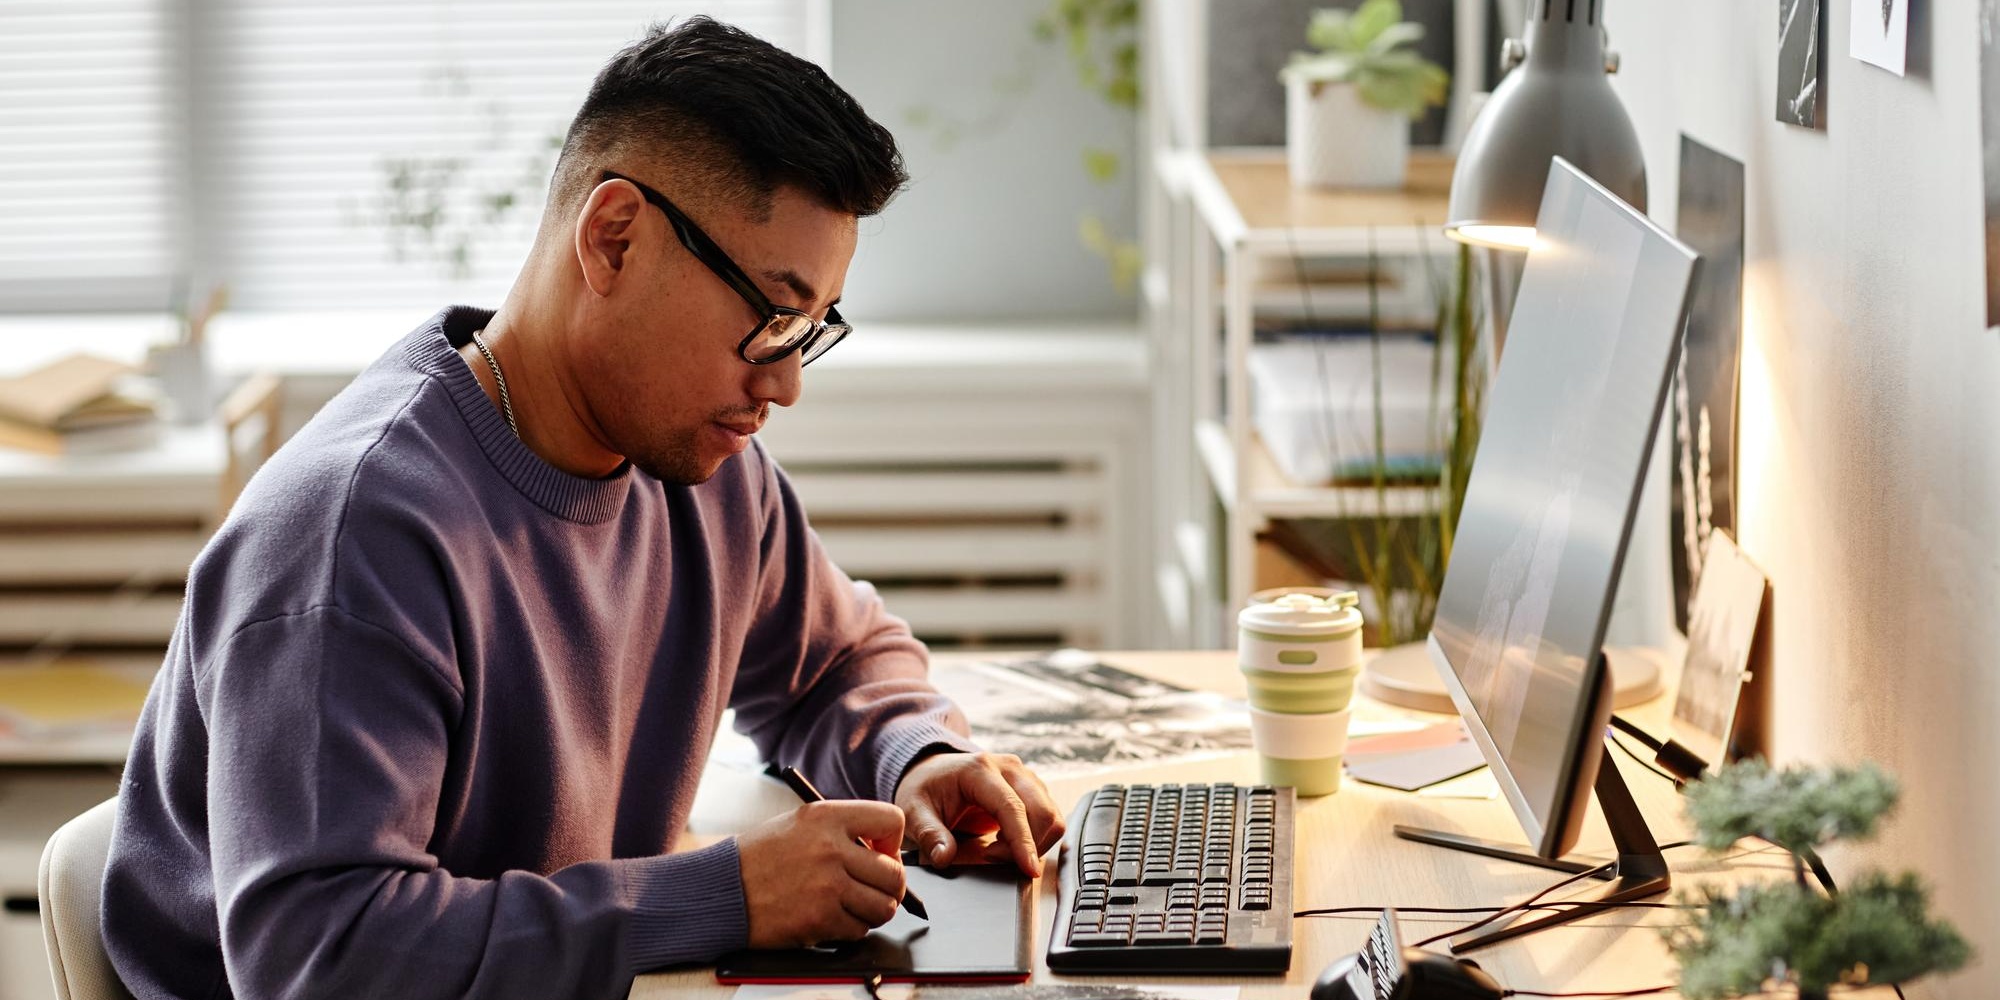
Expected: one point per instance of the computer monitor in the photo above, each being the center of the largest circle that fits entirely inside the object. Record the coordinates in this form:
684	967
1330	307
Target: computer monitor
1570	422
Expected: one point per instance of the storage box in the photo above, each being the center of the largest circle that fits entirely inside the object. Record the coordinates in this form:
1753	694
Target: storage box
1313	404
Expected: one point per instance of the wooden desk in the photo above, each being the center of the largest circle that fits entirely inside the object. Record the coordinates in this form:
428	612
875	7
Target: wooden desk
1347	856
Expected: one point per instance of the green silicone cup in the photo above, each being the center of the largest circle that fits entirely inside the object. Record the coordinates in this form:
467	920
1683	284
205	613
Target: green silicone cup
1307	777
1301	694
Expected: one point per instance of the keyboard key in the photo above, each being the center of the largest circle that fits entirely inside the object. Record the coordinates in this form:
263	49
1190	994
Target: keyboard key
1215	873
1125	873
1162	937
1096	939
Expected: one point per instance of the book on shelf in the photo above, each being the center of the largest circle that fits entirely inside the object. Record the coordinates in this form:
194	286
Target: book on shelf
80	402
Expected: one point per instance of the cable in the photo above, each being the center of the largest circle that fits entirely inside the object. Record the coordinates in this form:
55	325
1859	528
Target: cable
1667	753
1648	991
1618	722
1643	762
1518	907
1559	904
1537	897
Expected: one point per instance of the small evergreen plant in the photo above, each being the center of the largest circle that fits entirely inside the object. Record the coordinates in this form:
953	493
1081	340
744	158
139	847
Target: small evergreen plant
1773	935
1370	47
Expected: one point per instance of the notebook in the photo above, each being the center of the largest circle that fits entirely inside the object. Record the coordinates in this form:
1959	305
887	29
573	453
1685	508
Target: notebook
981	930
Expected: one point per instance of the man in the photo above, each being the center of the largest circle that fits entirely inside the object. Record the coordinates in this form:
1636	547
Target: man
444	681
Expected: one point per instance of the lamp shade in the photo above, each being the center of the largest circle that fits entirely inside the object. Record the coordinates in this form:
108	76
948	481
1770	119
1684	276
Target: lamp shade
1559	102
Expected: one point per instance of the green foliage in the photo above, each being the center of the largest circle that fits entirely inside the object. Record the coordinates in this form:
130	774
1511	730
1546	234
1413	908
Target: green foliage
1784	934
1402	560
1798	809
1102	37
1369	47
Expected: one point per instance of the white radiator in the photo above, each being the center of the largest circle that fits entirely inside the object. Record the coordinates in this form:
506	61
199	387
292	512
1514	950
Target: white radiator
995	496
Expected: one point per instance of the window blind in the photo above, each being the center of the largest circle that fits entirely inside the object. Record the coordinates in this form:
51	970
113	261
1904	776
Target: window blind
90	185
291	148
333	132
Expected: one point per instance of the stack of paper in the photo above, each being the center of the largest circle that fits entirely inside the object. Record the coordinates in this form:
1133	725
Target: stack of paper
79	400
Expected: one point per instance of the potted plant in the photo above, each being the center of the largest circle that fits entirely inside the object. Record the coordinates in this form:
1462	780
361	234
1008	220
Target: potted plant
1348	106
1788	935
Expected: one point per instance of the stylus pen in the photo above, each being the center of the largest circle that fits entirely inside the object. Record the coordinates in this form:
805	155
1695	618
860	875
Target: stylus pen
806	792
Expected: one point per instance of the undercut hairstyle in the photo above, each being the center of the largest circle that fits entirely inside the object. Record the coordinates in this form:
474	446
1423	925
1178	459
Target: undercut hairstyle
735	116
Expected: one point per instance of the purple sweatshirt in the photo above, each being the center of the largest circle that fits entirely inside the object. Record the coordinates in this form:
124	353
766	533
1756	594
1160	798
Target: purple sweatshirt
435	710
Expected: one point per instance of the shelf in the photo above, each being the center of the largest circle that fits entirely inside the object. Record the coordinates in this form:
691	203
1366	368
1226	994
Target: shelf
1249	201
1271	494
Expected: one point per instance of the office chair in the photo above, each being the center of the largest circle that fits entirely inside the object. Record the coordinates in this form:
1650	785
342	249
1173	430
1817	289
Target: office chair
70	885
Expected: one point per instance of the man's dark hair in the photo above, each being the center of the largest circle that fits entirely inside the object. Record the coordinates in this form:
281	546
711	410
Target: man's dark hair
742	114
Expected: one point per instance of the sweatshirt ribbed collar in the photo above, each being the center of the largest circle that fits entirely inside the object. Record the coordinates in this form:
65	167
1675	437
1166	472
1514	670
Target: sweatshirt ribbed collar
433	350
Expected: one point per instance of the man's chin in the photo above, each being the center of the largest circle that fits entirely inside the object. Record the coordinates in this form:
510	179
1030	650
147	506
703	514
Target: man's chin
681	470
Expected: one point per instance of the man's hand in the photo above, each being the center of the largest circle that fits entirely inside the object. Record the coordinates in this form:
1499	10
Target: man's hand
974	795
805	880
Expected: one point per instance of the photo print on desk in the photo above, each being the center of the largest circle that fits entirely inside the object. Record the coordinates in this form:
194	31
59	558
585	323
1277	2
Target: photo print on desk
1989	100
1799	61
1879	32
1705	383
1070	713
1721	631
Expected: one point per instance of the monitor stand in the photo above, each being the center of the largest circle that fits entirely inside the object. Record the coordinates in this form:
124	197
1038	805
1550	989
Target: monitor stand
1641	869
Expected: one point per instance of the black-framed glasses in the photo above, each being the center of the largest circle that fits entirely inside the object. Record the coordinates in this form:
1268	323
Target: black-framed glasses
780	330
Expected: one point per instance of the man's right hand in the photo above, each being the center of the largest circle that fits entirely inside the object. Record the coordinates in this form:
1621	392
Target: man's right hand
805	880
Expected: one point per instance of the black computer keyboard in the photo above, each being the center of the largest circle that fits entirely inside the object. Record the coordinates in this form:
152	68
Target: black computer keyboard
1176	878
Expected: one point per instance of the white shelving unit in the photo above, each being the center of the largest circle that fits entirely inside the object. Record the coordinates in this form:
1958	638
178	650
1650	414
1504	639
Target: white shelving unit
1222	230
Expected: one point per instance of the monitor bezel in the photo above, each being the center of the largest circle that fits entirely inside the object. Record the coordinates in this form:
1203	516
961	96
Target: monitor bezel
1583	745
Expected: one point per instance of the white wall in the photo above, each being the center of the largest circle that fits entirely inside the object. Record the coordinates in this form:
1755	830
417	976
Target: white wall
988	226
1870	466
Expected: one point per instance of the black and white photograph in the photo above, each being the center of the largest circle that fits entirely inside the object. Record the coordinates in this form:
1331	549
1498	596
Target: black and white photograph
1989	104
1878	33
1069	712
1705	383
1727	606
1799	61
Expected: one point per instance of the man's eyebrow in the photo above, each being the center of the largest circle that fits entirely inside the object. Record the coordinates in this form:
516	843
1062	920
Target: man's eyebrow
790	279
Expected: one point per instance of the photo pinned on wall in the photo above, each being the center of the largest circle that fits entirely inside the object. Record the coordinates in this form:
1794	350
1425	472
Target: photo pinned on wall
1989	98
1705	381
1799	35
1879	32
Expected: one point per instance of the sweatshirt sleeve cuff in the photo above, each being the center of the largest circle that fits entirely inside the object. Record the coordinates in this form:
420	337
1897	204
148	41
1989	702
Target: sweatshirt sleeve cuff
903	746
686	907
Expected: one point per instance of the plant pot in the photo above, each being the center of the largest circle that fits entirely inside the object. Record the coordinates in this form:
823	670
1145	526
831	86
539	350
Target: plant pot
1335	139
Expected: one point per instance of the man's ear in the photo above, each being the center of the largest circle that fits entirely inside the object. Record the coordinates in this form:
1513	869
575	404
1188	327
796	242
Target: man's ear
604	233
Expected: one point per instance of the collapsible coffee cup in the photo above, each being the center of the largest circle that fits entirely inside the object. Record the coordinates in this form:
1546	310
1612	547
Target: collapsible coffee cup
1300	654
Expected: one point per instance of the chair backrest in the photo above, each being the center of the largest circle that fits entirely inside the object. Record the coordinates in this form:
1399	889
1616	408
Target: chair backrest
71	885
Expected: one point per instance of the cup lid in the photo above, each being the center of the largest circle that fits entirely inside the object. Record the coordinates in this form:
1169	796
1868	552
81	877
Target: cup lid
1304	614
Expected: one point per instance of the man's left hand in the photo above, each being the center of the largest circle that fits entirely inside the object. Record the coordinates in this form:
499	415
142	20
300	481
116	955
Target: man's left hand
948	795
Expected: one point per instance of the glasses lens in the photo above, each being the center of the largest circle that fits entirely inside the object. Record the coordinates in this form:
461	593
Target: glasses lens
780	333
834	331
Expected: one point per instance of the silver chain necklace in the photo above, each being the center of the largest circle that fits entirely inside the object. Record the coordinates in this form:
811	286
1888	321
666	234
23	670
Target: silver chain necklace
506	405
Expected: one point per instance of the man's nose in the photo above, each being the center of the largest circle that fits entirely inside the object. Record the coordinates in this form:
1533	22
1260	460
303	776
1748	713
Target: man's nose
779	382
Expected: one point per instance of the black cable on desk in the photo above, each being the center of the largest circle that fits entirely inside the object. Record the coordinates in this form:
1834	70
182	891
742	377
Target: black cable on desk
1643	762
1519	907
1648	991
1667	753
1537	897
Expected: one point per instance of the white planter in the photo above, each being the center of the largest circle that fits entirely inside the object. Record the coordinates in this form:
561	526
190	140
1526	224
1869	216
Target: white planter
1335	139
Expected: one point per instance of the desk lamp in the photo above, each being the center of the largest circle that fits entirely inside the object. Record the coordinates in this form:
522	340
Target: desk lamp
1558	103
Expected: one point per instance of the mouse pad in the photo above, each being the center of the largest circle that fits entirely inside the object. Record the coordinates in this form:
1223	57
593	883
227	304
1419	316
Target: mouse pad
981	930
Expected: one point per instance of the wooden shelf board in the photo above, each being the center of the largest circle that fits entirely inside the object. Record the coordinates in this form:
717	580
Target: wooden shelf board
1257	183
1272	494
